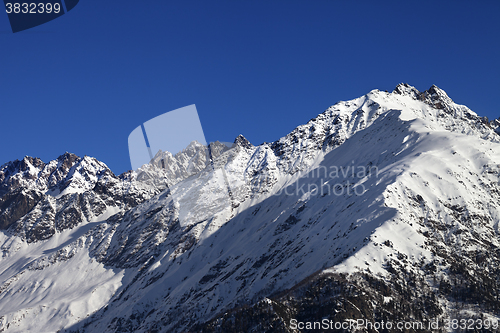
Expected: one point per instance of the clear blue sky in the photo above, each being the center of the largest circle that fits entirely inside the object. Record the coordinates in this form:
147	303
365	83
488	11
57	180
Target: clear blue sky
83	82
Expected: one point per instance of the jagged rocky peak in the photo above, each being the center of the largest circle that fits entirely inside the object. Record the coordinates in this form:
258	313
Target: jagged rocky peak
17	174
406	90
28	160
495	123
20	166
31	173
241	141
67	160
497	129
434	96
192	148
438	99
217	148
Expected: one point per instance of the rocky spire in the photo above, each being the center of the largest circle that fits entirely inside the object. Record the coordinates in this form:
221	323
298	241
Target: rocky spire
406	90
242	142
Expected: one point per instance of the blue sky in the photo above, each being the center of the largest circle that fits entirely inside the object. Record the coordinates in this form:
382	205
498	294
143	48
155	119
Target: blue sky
83	82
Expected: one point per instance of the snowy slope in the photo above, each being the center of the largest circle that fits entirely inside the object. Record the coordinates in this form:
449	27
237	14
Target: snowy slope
384	183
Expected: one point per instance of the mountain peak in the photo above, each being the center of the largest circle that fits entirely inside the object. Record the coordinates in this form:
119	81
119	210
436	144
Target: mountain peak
406	90
28	160
67	160
242	142
434	96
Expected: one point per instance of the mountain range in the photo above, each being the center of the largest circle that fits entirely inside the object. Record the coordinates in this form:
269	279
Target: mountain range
383	208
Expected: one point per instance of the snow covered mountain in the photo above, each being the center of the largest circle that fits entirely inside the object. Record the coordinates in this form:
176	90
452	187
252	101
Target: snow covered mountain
385	207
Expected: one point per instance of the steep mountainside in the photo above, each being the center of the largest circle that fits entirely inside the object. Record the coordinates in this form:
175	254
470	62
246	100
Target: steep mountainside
385	207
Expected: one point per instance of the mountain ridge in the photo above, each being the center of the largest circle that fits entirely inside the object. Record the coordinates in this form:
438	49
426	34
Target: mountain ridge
187	253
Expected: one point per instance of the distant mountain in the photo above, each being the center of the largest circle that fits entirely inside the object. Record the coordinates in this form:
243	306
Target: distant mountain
385	207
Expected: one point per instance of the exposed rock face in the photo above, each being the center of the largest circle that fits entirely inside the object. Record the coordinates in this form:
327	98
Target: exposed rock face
385	207
38	199
495	124
241	141
15	204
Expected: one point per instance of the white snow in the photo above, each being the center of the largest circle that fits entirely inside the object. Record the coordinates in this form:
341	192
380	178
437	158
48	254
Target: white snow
206	251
